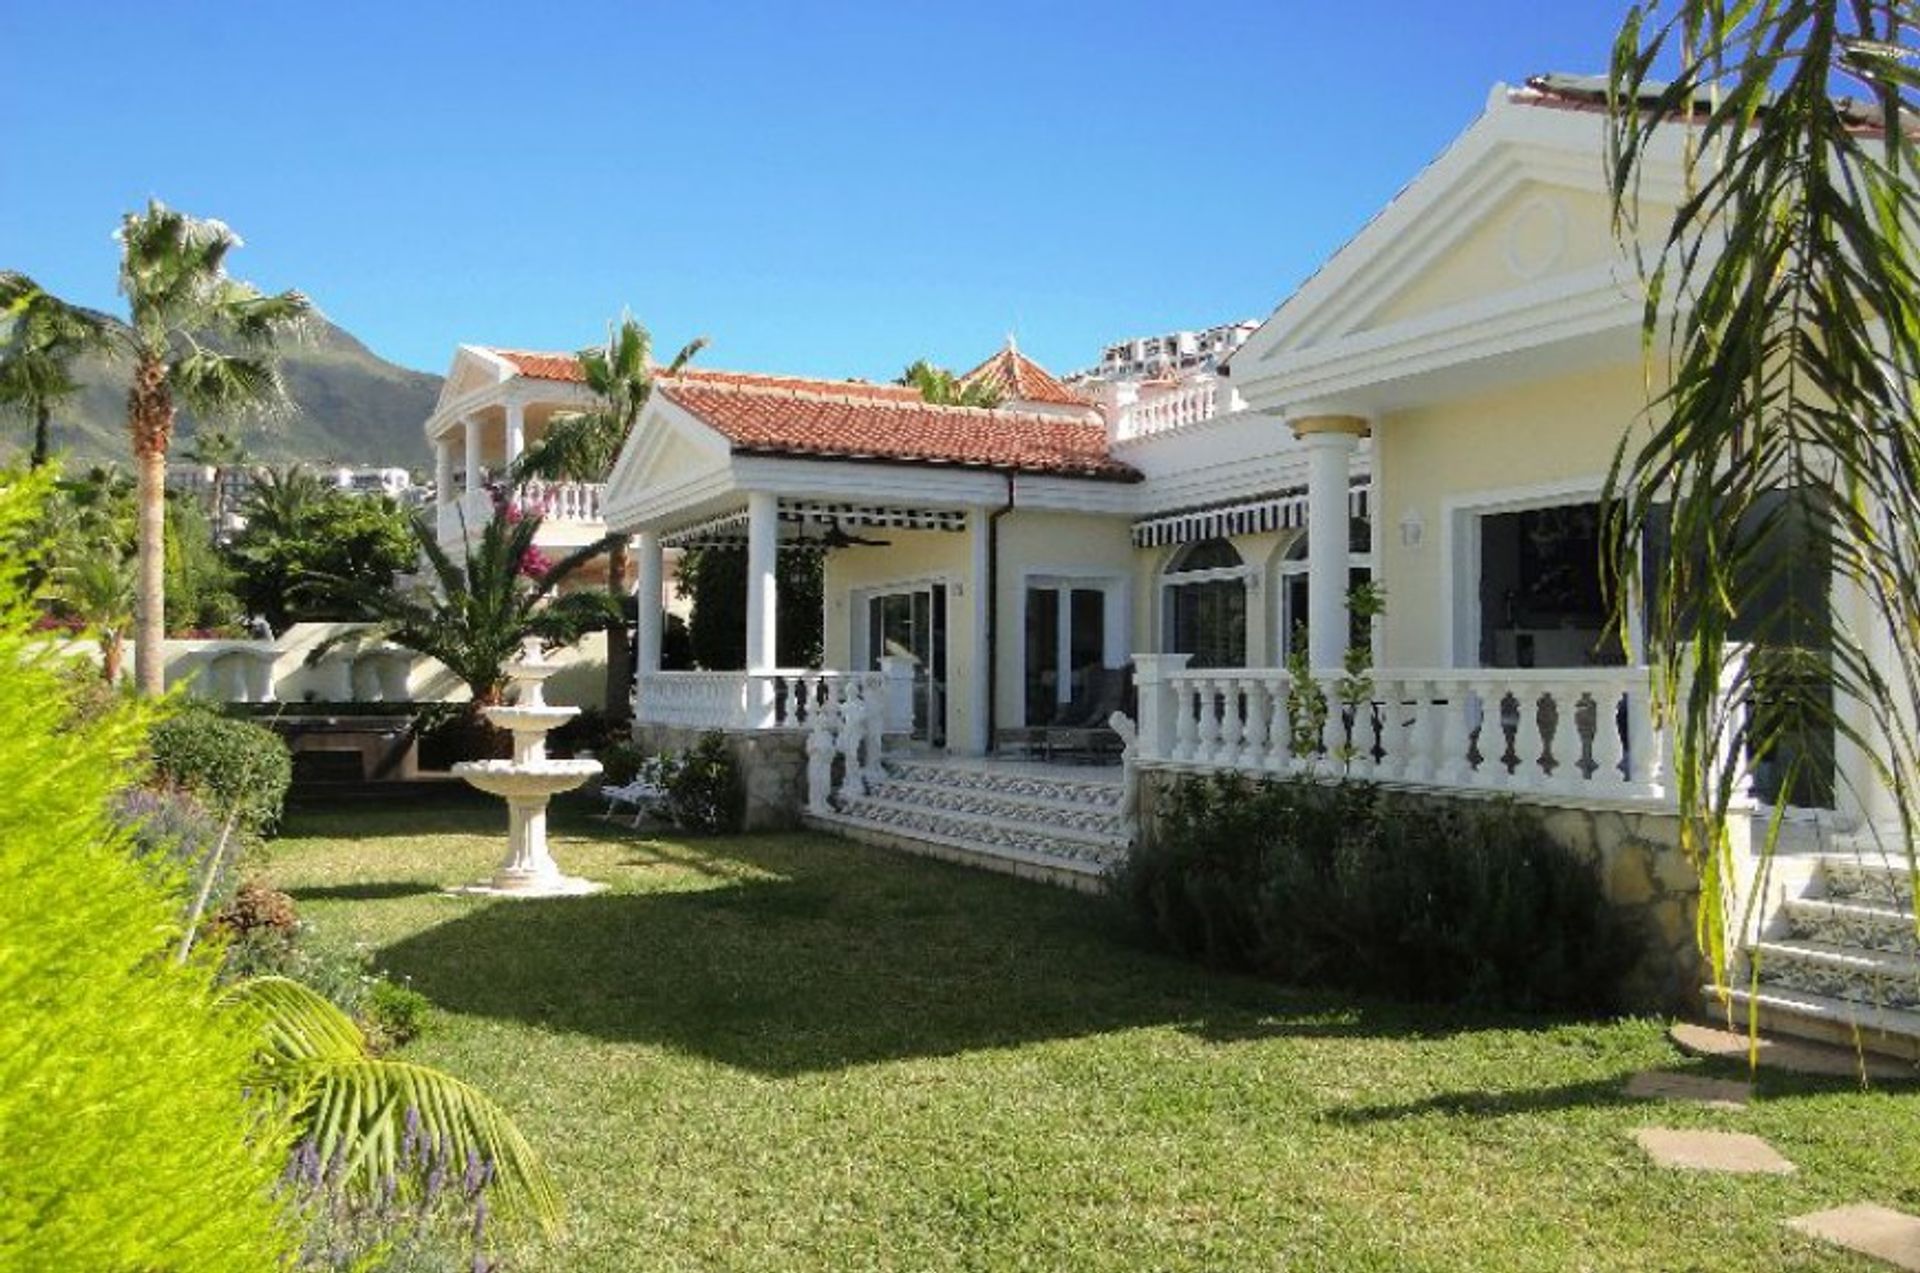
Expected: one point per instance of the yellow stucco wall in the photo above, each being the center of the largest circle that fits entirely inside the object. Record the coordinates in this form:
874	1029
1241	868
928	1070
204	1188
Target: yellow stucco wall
1062	546
910	557
1514	443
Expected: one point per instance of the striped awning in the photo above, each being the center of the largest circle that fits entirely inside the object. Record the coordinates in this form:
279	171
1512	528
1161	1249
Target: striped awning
729	530
1285	510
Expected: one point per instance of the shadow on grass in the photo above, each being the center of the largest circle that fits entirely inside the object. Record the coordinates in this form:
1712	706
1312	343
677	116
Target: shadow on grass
831	956
371	891
1480	1103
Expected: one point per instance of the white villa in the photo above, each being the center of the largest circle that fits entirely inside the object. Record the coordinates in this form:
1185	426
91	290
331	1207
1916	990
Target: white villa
1436	409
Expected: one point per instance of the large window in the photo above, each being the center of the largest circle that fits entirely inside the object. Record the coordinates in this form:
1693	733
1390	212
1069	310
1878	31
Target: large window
1205	592
1065	646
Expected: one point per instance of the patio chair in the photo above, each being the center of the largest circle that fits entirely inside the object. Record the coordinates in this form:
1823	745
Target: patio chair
642	796
1085	734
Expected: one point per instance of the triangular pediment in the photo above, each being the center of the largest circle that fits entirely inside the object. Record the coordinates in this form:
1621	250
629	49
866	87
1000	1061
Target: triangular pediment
473	370
1514	214
668	454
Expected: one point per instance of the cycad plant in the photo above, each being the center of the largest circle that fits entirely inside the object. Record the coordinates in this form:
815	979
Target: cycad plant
582	447
99	590
1782	326
361	1118
41	337
197	338
481	608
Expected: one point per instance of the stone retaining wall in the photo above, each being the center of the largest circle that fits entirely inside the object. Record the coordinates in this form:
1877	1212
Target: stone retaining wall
1642	870
772	764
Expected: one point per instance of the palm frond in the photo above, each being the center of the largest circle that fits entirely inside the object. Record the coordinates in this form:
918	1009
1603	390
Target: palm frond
1782	322
362	1113
223	386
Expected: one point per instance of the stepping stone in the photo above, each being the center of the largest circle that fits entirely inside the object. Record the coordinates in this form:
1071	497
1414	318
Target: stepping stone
1880	1232
1666	1086
1735	1152
1797	1056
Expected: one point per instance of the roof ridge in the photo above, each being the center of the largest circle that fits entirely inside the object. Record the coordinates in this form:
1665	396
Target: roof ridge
896	403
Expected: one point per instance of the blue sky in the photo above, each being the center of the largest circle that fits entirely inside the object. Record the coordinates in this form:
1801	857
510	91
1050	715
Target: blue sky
830	189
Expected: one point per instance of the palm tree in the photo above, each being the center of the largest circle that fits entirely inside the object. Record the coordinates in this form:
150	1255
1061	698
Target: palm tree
938	385
582	448
182	304
1785	308
44	336
365	1119
98	589
476	618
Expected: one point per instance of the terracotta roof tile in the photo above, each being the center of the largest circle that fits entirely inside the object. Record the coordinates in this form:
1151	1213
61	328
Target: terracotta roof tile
536	365
1021	379
845	422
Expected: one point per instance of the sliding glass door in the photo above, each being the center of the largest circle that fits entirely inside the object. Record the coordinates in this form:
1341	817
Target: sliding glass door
912	623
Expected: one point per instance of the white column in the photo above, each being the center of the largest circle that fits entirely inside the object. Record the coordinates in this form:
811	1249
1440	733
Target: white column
1330	442
978	740
472	434
442	471
763	541
516	433
649	558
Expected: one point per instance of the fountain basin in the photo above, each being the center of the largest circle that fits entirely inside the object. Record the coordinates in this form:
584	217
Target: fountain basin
517	779
530	720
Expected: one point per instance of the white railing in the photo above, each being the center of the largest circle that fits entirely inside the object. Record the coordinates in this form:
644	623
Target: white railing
562	501
786	698
1576	733
1166	411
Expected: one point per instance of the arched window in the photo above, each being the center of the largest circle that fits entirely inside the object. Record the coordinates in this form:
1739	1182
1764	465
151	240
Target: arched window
1204	591
1293	584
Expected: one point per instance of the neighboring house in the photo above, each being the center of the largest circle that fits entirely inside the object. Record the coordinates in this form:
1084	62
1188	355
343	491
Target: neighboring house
1171	355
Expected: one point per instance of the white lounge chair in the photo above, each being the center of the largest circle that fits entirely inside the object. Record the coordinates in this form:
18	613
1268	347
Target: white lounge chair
640	795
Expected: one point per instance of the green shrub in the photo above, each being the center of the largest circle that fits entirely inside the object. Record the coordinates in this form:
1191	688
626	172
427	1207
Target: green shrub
619	763
1341	884
704	789
236	767
125	1139
394	1014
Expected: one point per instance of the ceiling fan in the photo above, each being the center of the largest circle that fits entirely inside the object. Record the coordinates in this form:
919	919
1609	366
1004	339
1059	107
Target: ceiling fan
837	536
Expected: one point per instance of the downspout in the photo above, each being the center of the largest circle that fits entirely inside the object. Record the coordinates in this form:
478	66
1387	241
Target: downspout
993	613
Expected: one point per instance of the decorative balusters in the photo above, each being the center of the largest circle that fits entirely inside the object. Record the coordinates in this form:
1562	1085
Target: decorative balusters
1529	741
1227	693
1186	710
1387	698
1279	758
1454	767
1253	734
1206	744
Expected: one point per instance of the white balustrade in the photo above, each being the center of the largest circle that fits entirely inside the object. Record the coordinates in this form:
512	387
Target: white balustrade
785	698
561	501
1580	733
1163	411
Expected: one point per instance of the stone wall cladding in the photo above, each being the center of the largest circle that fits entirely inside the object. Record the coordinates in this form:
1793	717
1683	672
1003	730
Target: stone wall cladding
1642	869
772	764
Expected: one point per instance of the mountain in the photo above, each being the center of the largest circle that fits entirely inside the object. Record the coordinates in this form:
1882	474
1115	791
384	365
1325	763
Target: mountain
350	406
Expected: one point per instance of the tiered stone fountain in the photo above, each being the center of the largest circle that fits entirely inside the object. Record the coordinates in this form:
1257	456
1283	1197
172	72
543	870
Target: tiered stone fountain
527	782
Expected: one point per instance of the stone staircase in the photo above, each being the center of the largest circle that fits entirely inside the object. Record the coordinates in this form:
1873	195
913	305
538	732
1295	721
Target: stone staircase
1050	822
1841	962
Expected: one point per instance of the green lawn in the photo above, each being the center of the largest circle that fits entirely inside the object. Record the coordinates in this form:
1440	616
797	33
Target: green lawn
788	1052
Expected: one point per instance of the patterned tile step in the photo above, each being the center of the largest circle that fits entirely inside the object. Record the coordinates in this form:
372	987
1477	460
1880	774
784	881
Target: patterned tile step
1098	793
1868	878
994	825
985	835
1870	977
1085	876
1888	1031
986	802
1860	924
